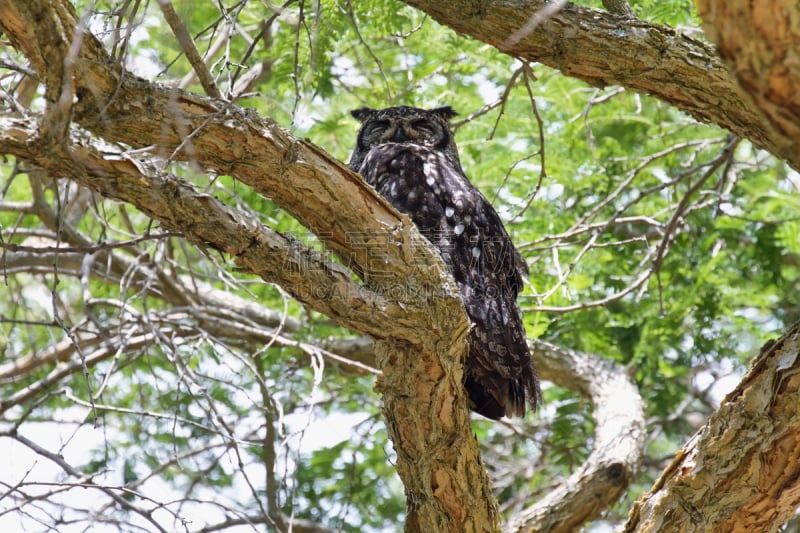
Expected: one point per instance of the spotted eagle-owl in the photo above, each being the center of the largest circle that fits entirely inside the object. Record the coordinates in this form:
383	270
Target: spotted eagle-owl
409	155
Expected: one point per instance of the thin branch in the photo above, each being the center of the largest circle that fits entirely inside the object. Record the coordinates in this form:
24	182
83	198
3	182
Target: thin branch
528	75
378	63
86	480
723	158
86	249
187	45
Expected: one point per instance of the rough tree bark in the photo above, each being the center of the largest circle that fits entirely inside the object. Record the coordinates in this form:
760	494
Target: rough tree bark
741	472
760	43
604	48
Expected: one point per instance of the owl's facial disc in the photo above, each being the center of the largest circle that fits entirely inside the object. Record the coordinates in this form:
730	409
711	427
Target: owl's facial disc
403	125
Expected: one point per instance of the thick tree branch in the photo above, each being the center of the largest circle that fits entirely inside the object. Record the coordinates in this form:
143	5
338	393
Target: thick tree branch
422	370
305	273
741	472
602	49
759	41
299	177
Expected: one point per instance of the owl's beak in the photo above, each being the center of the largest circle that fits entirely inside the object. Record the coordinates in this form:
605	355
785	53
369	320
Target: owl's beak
399	135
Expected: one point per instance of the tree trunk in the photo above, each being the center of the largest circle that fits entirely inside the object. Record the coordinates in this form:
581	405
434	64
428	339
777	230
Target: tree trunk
760	43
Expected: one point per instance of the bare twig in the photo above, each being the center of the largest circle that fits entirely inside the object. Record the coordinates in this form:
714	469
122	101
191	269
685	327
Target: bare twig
187	45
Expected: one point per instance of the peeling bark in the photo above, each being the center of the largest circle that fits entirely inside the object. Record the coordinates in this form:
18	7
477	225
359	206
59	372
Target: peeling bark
760	43
741	472
427	452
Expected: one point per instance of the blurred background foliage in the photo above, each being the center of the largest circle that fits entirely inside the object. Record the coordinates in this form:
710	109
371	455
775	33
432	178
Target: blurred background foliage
655	241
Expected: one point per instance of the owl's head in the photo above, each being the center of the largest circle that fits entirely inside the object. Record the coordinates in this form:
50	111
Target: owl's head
404	124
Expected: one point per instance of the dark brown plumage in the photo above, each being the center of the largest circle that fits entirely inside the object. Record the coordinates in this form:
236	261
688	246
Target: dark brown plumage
409	155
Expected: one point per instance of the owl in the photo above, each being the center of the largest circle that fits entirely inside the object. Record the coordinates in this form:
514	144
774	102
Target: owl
410	157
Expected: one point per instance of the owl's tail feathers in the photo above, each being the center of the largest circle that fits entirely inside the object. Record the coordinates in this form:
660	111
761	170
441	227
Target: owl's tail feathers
494	396
482	402
525	390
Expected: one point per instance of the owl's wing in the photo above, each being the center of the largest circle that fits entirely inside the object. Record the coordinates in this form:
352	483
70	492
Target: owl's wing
432	189
501	378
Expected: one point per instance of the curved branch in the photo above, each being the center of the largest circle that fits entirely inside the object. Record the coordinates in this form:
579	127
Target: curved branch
617	447
308	275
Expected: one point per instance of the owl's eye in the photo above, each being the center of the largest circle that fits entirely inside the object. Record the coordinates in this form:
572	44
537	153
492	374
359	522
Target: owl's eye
376	128
424	126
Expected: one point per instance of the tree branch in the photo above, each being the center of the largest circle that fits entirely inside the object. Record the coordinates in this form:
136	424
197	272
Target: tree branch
617	447
308	275
744	460
299	177
602	48
188	47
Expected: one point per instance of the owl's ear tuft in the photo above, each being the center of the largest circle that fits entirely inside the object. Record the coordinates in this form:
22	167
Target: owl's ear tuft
445	112
362	114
